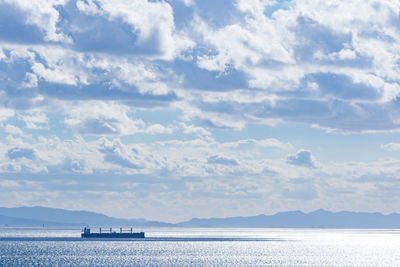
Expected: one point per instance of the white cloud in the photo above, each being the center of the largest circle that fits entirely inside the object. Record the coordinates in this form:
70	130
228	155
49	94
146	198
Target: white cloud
5	114
332	64
11	129
30	81
2	55
158	129
276	53
88	7
34	119
256	40
152	21
53	75
343	54
99	118
144	76
302	158
263	143
222	177
188	2
117	153
391	146
210	118
276	57
218	159
49	155
4	183
191	129
108	118
254	7
44	15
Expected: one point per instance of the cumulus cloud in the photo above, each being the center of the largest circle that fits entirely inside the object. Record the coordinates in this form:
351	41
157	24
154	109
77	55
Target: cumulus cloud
115	152
102	119
34	119
189	89
151	24
169	158
191	129
302	158
42	14
140	166
285	64
280	61
18	152
217	159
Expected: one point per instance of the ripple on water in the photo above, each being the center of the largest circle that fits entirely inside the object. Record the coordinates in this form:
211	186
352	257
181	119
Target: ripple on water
218	247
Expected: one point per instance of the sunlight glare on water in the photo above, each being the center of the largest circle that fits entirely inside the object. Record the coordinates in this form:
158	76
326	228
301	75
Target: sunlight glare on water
211	247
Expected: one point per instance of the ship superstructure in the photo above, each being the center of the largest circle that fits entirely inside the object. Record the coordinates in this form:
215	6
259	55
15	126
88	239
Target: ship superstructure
109	233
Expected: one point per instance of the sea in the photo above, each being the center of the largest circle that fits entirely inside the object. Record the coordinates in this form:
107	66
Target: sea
202	247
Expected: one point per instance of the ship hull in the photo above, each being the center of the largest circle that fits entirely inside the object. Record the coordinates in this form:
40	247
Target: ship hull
113	235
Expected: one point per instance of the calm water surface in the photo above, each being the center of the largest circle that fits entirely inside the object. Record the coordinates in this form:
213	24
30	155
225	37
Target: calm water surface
202	247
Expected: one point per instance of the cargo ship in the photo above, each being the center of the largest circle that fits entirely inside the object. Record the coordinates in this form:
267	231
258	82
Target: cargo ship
109	233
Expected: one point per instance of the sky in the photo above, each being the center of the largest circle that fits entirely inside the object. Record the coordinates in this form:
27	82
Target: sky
169	110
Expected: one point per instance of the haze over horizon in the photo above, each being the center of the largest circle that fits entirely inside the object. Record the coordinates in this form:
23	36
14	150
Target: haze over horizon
170	110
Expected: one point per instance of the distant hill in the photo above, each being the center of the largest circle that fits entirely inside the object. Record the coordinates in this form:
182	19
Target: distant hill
37	216
297	219
12	221
51	216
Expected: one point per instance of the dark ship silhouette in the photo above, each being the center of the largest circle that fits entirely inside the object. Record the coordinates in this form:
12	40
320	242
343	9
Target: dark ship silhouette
86	233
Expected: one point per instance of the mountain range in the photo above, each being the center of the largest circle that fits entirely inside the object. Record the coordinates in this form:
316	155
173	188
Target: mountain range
38	216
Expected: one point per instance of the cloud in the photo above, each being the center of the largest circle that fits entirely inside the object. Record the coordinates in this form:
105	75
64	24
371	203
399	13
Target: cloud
63	167
301	189
173	158
53	75
20	31
140	25
181	100
269	172
16	153
263	143
191	129
11	129
109	118
5	114
100	118
34	119
151	30
216	159
264	62
8	183
158	129
42	14
117	153
301	158
285	64
391	146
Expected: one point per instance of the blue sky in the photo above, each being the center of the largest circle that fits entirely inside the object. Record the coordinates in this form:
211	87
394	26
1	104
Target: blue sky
169	110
